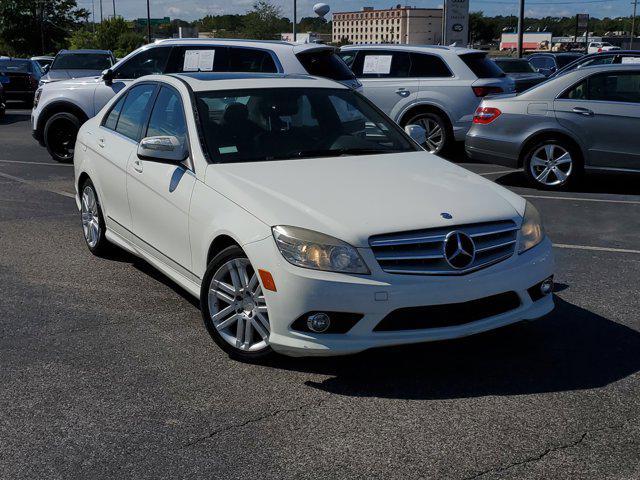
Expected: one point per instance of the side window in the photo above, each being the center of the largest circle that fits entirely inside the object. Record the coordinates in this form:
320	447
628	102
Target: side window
251	60
218	62
111	119
539	62
428	66
167	116
134	111
348	56
147	62
382	64
615	87
577	92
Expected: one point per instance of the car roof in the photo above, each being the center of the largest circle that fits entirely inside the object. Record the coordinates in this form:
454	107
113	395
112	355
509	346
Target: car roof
421	48
271	44
608	66
206	81
509	59
85	50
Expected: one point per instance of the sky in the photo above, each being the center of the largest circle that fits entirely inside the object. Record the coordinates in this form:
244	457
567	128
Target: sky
194	9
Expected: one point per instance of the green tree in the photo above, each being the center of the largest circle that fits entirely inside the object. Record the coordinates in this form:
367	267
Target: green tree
114	34
82	38
265	21
38	26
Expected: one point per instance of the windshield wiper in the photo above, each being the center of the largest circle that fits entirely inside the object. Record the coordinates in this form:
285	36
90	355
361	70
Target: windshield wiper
337	152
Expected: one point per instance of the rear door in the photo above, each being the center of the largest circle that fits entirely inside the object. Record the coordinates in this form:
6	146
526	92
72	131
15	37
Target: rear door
386	78
604	111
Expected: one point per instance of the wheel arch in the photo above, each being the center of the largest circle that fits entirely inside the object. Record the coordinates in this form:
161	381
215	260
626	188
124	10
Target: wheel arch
219	243
425	108
546	134
59	107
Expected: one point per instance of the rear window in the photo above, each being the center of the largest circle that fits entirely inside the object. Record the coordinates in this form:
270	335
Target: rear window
515	66
564	60
481	66
21	66
82	61
325	63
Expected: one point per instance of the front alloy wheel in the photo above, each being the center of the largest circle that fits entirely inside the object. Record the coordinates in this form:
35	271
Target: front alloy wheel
236	313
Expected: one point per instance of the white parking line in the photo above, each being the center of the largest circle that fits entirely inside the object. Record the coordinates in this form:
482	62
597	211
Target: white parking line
596	249
499	172
600	200
38	163
36	185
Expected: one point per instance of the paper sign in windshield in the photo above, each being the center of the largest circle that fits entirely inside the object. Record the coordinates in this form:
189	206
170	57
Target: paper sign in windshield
380	64
198	60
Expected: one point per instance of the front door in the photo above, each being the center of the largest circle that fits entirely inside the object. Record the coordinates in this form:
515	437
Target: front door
159	192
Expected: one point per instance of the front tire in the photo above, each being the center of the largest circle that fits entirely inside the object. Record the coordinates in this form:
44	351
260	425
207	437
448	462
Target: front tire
438	132
553	164
93	226
233	306
60	134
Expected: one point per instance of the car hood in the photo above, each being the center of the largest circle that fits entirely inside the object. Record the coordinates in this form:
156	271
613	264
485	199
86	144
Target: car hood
354	197
57	75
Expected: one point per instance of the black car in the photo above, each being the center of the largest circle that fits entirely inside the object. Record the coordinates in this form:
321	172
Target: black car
521	71
21	78
549	63
612	57
3	102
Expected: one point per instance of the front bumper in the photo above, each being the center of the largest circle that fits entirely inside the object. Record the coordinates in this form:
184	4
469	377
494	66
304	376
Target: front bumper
300	291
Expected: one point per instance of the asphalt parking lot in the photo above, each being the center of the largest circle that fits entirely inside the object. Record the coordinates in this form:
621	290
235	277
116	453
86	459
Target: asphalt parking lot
108	372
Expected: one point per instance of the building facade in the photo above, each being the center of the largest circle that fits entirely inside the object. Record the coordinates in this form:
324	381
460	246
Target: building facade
394	25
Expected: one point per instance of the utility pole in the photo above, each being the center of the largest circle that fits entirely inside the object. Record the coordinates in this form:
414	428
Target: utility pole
148	23
633	24
521	29
93	16
101	12
114	8
295	19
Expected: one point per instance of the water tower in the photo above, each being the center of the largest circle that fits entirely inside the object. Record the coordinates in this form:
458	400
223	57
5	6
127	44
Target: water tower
321	9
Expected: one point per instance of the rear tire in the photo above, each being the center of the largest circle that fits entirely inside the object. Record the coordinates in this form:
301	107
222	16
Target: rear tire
233	307
438	131
60	133
553	164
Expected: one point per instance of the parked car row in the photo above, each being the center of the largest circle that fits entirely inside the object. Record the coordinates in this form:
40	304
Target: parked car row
19	78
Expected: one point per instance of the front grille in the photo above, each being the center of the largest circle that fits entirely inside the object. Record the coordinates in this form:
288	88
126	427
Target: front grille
449	315
421	252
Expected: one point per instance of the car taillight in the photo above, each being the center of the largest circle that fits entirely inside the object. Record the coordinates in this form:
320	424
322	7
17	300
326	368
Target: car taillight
484	91
599	50
485	115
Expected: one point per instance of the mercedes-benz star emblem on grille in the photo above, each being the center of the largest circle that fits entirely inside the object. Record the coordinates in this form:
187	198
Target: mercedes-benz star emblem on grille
459	250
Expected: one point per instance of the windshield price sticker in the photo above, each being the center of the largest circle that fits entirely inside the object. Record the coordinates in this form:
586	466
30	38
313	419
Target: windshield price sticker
198	60
380	64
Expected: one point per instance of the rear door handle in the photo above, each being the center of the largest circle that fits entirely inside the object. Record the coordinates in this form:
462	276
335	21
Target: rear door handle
403	92
583	111
137	165
101	142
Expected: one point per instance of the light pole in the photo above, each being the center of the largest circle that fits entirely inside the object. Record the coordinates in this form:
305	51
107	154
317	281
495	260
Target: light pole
295	14
520	29
114	8
148	23
633	24
100	11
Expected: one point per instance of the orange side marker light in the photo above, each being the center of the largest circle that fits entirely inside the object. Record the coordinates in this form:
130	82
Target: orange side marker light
267	280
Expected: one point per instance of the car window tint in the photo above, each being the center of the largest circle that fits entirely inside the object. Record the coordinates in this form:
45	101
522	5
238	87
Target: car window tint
423	65
615	87
251	60
112	118
543	62
599	61
577	92
325	63
375	64
348	56
134	111
147	62
167	116
220	58
481	65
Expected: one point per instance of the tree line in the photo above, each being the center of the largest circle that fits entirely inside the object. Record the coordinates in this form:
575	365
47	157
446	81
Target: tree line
29	27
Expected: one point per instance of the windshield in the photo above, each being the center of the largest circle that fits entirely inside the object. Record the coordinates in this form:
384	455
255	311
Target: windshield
277	124
564	60
515	66
21	66
82	61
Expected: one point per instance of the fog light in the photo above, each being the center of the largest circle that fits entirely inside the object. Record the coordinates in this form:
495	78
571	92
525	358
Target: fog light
318	322
546	287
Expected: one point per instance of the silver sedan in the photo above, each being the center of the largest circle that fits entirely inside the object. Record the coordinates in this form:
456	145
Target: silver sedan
588	119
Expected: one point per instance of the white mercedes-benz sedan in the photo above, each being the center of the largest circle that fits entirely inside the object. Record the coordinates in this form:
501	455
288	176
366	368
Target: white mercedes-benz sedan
303	218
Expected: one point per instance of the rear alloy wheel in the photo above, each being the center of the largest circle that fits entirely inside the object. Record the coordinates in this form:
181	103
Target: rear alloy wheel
60	133
436	131
234	308
552	164
93	226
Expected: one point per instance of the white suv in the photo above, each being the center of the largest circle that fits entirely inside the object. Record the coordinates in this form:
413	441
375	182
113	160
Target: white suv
436	87
304	219
598	47
62	107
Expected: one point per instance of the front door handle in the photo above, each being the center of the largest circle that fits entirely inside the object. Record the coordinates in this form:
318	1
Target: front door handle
403	92
101	142
583	111
137	165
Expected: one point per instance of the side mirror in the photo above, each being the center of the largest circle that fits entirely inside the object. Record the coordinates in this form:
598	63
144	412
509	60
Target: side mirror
162	149
107	76
417	133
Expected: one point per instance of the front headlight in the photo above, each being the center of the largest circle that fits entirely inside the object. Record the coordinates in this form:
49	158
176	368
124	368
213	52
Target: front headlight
36	97
531	231
309	249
